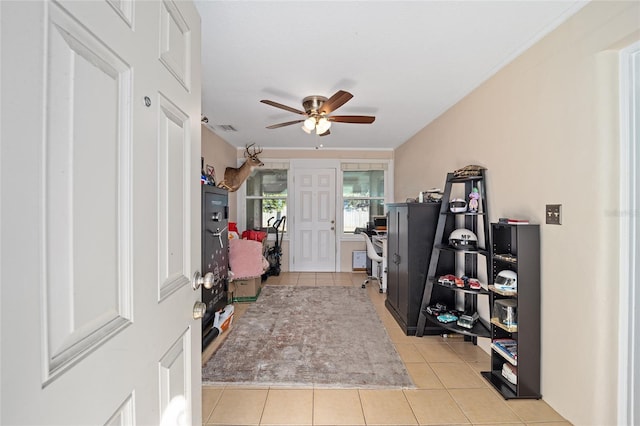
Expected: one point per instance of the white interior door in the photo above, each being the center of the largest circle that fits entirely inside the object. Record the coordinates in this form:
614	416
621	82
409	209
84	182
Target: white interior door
315	222
99	219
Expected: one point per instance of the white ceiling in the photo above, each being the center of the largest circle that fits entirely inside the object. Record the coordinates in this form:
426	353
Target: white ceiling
405	62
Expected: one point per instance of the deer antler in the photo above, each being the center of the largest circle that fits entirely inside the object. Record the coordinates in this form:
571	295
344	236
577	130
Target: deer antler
249	153
246	150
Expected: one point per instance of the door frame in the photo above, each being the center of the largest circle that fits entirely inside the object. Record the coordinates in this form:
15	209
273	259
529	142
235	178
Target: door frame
291	221
629	296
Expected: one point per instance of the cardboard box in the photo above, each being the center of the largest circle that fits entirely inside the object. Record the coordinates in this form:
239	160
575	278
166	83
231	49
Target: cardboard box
246	290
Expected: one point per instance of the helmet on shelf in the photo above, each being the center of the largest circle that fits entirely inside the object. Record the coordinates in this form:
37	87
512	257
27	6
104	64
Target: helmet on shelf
457	205
462	238
506	280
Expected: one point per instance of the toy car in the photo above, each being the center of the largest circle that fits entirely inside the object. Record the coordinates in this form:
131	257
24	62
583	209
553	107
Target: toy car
447	280
445	318
468	321
436	309
474	284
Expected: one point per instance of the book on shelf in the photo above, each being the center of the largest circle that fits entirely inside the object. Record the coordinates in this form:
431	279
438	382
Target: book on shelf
511	221
510	372
508	348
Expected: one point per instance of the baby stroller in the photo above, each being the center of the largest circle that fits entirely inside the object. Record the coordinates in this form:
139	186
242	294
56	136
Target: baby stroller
274	253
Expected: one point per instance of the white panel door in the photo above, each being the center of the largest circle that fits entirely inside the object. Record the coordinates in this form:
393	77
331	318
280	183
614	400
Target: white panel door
99	212
314	245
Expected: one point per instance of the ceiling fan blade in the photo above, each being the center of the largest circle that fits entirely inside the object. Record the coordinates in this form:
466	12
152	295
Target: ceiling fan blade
287	108
328	132
288	123
336	101
361	119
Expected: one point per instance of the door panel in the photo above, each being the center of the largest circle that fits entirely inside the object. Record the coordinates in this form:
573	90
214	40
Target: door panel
393	278
79	319
100	200
173	149
314	227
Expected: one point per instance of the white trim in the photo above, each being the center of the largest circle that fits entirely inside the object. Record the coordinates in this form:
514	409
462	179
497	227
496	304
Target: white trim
313	148
629	274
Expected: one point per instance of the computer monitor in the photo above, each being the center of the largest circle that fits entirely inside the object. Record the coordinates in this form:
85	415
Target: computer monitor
380	223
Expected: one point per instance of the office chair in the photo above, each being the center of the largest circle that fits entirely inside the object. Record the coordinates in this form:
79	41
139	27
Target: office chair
376	262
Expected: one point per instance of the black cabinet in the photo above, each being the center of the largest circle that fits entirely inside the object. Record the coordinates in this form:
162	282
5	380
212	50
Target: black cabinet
515	313
410	232
215	255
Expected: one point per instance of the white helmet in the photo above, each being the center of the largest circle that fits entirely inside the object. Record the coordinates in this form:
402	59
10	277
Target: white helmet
462	238
506	280
457	205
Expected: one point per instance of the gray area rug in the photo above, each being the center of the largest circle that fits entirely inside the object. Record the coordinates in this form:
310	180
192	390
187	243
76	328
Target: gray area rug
309	336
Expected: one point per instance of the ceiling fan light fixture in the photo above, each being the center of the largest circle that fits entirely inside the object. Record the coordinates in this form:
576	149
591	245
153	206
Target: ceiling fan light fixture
323	125
317	110
309	124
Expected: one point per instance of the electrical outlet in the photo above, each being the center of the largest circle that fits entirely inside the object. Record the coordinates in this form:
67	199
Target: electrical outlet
553	213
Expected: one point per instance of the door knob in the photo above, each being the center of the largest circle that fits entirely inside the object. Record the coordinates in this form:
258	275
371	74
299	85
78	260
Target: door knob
199	309
197	280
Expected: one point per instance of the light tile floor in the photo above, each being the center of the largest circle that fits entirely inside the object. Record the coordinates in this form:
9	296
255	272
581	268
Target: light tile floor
446	372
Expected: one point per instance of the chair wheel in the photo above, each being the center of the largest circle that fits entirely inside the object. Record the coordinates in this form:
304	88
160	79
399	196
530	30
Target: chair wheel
380	290
364	286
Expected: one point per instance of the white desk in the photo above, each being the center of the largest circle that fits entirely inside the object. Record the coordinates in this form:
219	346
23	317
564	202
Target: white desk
381	241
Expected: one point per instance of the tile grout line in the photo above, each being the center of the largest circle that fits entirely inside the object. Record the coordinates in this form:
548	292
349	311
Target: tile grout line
410	407
215	404
264	406
459	407
364	417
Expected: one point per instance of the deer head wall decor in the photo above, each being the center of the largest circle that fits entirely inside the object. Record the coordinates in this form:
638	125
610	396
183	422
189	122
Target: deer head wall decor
234	177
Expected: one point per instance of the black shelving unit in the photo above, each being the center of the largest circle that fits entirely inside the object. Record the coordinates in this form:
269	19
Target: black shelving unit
443	256
517	248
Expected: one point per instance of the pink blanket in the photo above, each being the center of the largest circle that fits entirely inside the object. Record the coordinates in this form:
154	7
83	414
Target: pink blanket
246	259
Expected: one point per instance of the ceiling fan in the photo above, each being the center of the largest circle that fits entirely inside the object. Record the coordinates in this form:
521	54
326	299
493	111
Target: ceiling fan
317	110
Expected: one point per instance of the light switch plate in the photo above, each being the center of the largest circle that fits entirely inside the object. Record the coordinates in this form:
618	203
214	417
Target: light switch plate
553	214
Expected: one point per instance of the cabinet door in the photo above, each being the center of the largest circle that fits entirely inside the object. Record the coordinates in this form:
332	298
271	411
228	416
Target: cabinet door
422	219
392	250
402	260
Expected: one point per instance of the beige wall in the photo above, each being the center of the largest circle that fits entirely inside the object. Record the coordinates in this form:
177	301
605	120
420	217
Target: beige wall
546	127
219	154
